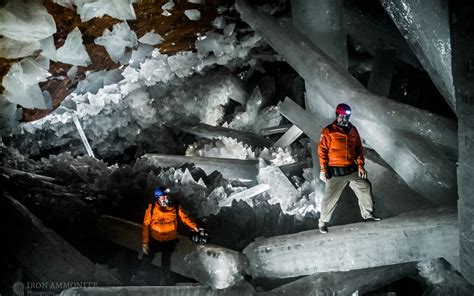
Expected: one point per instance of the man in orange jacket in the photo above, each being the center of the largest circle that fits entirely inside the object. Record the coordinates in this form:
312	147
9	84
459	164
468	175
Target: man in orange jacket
160	228
342	163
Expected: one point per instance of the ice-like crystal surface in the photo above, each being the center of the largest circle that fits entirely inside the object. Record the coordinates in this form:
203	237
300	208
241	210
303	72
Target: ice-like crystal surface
414	236
13	49
219	22
245	195
119	9
8	116
168	5
97	80
161	85
72	72
223	148
21	84
316	68
151	38
352	282
26	21
166	13
116	41
426	29
48	49
193	14
182	63
281	190
140	54
73	51
254	118
288	137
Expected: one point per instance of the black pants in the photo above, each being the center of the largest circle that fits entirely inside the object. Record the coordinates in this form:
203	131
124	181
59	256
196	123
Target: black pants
166	248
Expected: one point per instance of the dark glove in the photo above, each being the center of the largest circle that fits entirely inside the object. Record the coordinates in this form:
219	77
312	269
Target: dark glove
200	236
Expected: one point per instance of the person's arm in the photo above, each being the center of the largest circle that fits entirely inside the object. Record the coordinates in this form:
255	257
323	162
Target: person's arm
359	156
146	225
323	149
187	221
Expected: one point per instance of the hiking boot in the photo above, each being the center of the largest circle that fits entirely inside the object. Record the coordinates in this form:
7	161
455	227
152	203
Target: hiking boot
323	229
372	219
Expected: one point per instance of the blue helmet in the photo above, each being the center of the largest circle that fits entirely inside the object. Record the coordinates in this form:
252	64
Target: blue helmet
160	191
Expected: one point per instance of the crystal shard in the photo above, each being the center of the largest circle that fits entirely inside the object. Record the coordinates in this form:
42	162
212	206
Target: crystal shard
193	14
281	190
73	51
13	49
229	168
116	41
245	195
21	84
151	38
26	21
119	9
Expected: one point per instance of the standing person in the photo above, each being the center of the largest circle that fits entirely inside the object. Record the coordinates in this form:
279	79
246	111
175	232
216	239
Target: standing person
342	163
160	230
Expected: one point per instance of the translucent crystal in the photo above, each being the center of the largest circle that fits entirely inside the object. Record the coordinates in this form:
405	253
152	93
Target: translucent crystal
48	48
315	70
116	41
140	54
193	14
151	38
26	21
8	116
281	190
21	84
73	51
168	5
72	72
219	22
245	195
414	236
119	9
13	49
426	29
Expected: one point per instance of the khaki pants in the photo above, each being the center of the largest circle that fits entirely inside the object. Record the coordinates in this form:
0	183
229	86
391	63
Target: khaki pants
334	188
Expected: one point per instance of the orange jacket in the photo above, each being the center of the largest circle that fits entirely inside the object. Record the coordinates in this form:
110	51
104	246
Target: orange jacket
164	223
338	149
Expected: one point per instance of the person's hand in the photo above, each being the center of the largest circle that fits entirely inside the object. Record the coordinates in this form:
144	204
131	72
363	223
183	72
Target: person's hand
322	176
362	173
145	249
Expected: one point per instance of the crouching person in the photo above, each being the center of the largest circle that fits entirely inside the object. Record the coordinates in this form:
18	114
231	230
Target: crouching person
160	232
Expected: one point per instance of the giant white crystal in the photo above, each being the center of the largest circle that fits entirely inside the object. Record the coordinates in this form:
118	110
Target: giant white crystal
426	29
413	236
